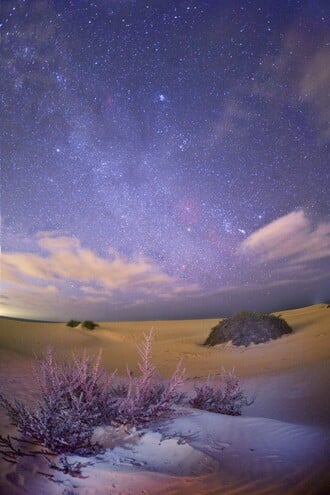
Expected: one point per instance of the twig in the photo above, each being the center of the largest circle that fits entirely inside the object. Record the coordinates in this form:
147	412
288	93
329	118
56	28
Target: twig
66	467
13	451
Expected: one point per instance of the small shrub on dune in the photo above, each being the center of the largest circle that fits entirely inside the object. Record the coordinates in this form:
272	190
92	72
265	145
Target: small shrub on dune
148	396
225	397
73	323
246	327
90	325
73	400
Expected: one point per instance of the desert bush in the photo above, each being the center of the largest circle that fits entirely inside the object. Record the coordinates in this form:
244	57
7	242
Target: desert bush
225	397
90	325
73	323
74	398
147	396
247	327
78	395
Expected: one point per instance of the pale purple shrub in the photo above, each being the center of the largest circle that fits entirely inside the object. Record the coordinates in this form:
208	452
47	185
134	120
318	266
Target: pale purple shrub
225	397
74	398
81	378
148	396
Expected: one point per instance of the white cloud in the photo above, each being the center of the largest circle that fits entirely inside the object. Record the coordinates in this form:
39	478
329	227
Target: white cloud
11	276
66	259
291	236
66	267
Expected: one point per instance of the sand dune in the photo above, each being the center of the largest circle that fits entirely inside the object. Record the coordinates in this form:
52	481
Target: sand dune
279	445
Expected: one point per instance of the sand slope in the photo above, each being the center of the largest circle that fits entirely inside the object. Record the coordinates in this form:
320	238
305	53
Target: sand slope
279	445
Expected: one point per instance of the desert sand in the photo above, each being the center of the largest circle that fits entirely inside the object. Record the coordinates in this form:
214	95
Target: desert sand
280	444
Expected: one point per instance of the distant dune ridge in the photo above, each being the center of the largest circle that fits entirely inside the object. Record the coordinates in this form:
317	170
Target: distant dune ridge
279	445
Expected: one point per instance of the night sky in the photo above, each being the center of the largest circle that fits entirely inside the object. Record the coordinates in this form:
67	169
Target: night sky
164	159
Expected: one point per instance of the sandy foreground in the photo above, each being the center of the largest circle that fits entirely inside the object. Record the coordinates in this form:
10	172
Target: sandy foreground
279	445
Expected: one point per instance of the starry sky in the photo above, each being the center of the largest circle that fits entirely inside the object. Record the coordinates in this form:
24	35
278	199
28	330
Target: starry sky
164	159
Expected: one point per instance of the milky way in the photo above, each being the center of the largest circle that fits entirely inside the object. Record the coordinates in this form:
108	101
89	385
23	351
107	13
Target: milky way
164	159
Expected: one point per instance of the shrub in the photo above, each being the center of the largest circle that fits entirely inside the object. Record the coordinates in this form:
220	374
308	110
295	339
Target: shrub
78	395
72	323
148	396
90	325
74	399
247	327
226	397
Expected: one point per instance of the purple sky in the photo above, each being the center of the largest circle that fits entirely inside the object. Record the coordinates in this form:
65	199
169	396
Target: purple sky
164	159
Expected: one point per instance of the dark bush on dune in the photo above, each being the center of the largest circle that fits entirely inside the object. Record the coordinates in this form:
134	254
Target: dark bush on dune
73	323
90	325
246	327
